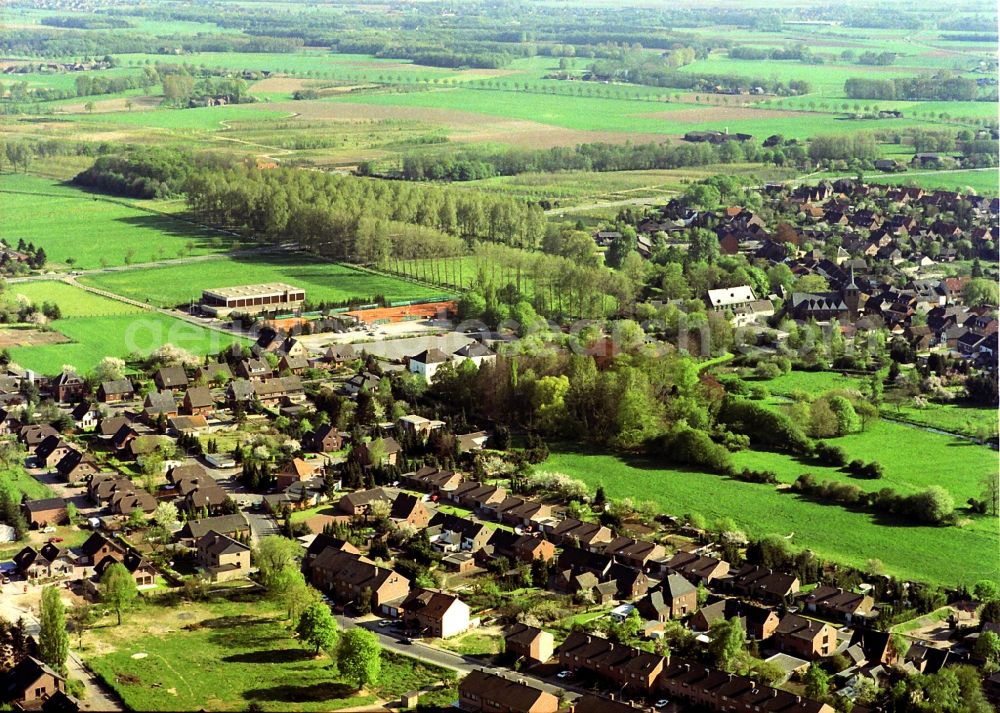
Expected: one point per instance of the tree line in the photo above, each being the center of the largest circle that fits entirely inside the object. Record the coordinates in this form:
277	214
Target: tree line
475	164
940	87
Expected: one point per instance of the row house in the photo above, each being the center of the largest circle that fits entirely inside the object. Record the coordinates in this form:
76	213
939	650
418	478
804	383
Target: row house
709	689
482	692
761	584
700	569
623	665
352	578
838	604
451	533
477	496
758	622
576	533
431	480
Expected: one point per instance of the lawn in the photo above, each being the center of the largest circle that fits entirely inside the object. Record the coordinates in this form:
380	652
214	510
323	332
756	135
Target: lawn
158	661
322	281
70	223
946	556
72	301
20	483
93	338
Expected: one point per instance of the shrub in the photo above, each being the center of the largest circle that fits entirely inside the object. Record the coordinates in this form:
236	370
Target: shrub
766	428
830	455
767	370
689	446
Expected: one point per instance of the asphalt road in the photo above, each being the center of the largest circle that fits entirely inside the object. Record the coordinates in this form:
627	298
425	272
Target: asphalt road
390	638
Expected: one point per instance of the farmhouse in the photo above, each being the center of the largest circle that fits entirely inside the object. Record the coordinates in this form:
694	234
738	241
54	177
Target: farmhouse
251	299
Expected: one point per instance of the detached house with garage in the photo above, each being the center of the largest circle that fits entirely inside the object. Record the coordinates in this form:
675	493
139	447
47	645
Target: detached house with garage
434	613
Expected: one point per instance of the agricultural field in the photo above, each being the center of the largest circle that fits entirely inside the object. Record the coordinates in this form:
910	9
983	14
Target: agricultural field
90	230
156	659
322	281
90	339
919	552
982	181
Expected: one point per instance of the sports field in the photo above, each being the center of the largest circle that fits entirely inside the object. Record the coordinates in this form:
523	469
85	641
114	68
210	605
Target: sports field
322	281
92	230
93	338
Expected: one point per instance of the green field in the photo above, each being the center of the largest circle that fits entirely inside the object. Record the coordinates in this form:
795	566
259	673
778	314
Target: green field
72	301
163	665
935	554
70	223
322	281
93	338
209	118
622	115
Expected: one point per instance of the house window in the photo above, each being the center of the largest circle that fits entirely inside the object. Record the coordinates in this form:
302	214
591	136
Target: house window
39	692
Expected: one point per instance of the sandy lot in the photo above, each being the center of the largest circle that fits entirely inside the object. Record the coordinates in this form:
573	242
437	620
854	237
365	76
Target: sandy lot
29	338
103	106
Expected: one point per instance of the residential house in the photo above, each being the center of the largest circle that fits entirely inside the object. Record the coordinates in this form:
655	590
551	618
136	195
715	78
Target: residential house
254	369
529	643
338	354
97	547
699	569
289	364
30	683
876	646
76	466
198	401
477	496
186	425
409	510
284	389
451	533
699	687
387	453
359	503
522	512
761	584
222	558
85	415
44	511
240	393
838	604
577	533
49	452
531	548
322	542
214	373
170	378
418	426
623	665
109	426
476	352
805	638
354	579
32	435
68	387
673	598
295	471
234	525
432	480
427	362
159	404
482	692
634	553
758	622
141	570
327	439
48	562
114	391
434	613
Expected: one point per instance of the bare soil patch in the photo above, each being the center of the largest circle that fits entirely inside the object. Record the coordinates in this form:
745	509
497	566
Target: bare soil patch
720	113
281	84
29	338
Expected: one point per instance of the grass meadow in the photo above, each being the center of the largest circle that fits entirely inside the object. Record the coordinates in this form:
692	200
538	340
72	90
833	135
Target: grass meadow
72	224
322	281
157	660
943	555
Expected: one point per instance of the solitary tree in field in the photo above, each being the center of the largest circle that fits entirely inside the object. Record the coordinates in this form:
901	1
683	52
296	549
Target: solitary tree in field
89	107
318	628
359	657
118	589
53	641
82	616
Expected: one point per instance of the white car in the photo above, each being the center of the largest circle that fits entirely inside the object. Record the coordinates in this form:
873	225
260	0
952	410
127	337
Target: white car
662	703
564	674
